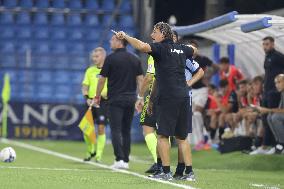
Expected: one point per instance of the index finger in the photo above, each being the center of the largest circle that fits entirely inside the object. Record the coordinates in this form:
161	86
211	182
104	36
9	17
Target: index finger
114	32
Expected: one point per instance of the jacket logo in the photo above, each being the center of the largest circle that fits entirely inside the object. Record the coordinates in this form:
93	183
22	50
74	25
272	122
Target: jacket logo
177	51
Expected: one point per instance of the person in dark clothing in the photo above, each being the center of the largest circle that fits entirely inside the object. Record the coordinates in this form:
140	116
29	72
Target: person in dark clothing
273	65
173	100
207	66
275	117
124	72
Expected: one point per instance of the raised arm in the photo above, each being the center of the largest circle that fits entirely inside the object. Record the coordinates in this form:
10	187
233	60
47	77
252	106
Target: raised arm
136	43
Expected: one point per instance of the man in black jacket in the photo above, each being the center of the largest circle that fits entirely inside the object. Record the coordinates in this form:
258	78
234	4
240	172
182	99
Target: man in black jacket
273	65
173	100
124	73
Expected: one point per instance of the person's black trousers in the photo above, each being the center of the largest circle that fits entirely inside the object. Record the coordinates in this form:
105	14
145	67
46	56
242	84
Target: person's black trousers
120	118
270	100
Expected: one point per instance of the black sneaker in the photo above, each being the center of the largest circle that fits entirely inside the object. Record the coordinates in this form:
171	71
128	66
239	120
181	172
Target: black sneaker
178	176
189	177
163	176
157	172
153	168
90	157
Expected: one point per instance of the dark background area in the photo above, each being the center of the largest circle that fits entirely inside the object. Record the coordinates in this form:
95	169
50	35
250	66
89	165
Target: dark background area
194	11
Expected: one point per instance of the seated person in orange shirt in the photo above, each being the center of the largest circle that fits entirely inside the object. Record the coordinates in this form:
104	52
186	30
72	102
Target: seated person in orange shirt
230	73
234	119
227	102
212	111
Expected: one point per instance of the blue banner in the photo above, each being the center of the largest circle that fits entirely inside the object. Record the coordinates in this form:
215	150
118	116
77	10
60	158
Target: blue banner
52	121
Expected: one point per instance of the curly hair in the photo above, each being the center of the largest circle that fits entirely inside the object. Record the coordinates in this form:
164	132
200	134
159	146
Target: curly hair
165	29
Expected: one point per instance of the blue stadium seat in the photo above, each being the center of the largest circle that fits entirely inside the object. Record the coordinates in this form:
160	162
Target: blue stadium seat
7	47
75	4
42	3
57	19
108	5
109	35
76	48
91	45
42	61
7	32
74	19
93	34
26	76
75	34
61	77
58	4
24	32
78	62
41	48
91	20
14	91
58	33
23	46
10	3
127	21
23	18
45	76
63	93
92	4
41	32
106	20
7	60
79	98
44	92
77	77
26	3
40	18
125	6
58	48
27	92
61	61
106	46
7	18
21	60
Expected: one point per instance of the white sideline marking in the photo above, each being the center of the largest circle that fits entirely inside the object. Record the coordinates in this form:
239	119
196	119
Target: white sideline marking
264	186
64	156
47	169
138	160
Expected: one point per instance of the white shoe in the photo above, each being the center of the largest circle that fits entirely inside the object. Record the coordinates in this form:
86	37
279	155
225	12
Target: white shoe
259	150
125	166
271	151
120	165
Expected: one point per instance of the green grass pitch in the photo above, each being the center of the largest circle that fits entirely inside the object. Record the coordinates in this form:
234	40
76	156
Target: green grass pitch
37	170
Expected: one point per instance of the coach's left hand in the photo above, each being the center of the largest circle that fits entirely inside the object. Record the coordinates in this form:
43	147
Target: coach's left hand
121	35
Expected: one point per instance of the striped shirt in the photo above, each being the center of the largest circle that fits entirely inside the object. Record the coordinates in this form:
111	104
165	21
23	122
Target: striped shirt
191	68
